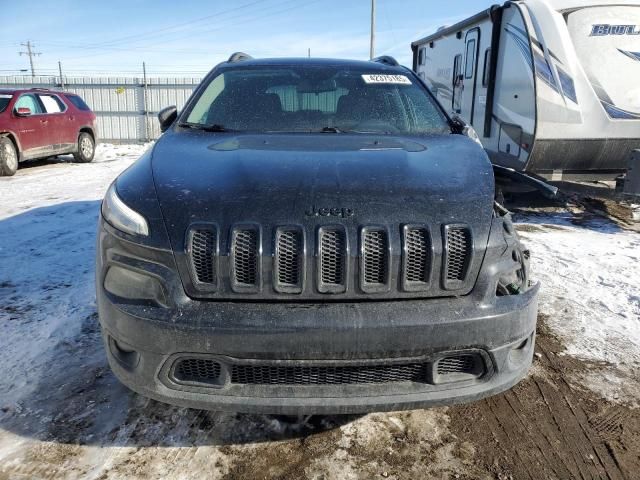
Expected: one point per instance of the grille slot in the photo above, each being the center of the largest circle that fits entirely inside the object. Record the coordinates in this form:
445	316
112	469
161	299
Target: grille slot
332	258
457	368
328	375
459	364
202	249
374	262
457	254
417	258
245	249
197	370
289	260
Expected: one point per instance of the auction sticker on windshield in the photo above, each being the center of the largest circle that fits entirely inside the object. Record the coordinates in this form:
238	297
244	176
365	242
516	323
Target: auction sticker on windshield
393	79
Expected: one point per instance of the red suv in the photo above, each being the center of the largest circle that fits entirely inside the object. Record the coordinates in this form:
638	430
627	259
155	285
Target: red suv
38	123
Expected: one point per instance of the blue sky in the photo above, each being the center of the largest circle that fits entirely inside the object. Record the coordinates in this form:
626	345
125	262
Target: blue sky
187	38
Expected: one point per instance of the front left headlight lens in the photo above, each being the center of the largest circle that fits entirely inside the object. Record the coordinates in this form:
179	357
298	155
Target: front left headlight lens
120	216
470	132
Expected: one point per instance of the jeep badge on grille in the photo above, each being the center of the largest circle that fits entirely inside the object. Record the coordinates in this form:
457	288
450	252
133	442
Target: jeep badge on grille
343	212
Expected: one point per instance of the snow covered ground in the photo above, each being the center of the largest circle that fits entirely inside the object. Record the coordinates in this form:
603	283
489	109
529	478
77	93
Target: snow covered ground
590	274
63	414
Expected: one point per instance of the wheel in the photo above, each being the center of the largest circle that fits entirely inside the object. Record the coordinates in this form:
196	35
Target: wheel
86	148
8	157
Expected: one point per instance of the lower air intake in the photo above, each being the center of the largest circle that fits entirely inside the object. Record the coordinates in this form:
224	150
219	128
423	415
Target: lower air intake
327	375
458	368
461	364
197	370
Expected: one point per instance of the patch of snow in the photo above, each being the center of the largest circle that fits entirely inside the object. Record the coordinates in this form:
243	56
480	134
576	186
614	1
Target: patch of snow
589	269
48	218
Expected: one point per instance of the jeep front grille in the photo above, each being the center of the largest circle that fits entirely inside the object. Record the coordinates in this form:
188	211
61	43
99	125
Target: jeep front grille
457	254
289	260
332	258
202	246
245	259
417	258
412	260
375	260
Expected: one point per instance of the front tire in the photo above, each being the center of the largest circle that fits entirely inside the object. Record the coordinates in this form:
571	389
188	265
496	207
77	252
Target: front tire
8	158
86	148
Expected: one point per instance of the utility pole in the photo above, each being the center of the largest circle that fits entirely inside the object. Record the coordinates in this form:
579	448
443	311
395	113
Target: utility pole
31	54
61	77
372	46
309	53
145	100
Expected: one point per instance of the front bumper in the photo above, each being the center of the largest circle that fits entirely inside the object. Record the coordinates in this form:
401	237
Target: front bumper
145	342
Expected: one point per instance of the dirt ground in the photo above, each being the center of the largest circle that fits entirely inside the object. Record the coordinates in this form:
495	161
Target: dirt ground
64	415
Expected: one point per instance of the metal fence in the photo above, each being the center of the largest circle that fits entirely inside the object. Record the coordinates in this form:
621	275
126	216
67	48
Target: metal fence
126	107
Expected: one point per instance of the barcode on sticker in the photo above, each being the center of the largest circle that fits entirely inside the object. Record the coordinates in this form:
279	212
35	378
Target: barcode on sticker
394	79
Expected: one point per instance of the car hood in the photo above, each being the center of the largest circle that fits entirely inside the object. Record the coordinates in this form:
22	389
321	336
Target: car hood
282	179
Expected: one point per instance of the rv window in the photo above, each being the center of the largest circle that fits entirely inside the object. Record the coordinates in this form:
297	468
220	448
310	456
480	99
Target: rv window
421	56
471	58
456	69
485	73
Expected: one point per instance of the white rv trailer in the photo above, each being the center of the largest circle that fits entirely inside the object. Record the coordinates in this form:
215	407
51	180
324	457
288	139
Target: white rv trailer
552	87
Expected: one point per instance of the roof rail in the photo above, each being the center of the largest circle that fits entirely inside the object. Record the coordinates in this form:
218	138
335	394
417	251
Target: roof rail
387	60
239	57
43	89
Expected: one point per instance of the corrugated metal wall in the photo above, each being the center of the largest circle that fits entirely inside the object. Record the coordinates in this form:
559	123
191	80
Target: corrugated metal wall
125	113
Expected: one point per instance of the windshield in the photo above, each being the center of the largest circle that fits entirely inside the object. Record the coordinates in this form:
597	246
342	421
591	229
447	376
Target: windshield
4	101
317	99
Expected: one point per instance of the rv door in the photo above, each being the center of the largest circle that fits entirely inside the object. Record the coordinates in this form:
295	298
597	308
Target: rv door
457	84
472	44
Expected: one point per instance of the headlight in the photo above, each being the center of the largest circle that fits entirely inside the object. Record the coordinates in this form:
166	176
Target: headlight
470	132
116	213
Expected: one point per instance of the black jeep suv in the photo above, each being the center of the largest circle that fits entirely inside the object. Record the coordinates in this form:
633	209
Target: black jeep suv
312	236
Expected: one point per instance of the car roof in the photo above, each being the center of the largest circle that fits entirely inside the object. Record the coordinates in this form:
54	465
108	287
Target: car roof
305	61
22	90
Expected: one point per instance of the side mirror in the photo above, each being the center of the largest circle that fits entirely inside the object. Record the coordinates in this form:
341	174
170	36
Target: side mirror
167	116
23	111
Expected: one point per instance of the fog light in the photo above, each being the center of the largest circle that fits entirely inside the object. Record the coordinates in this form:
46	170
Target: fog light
520	352
125	283
124	354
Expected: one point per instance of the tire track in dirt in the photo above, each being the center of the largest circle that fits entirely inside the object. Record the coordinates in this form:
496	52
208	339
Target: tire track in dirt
547	427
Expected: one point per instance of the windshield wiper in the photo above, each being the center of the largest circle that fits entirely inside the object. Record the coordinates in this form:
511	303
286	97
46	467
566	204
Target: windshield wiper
213	127
337	130
331	130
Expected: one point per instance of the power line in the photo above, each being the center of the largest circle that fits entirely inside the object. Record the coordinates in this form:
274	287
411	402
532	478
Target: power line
31	54
258	17
156	32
